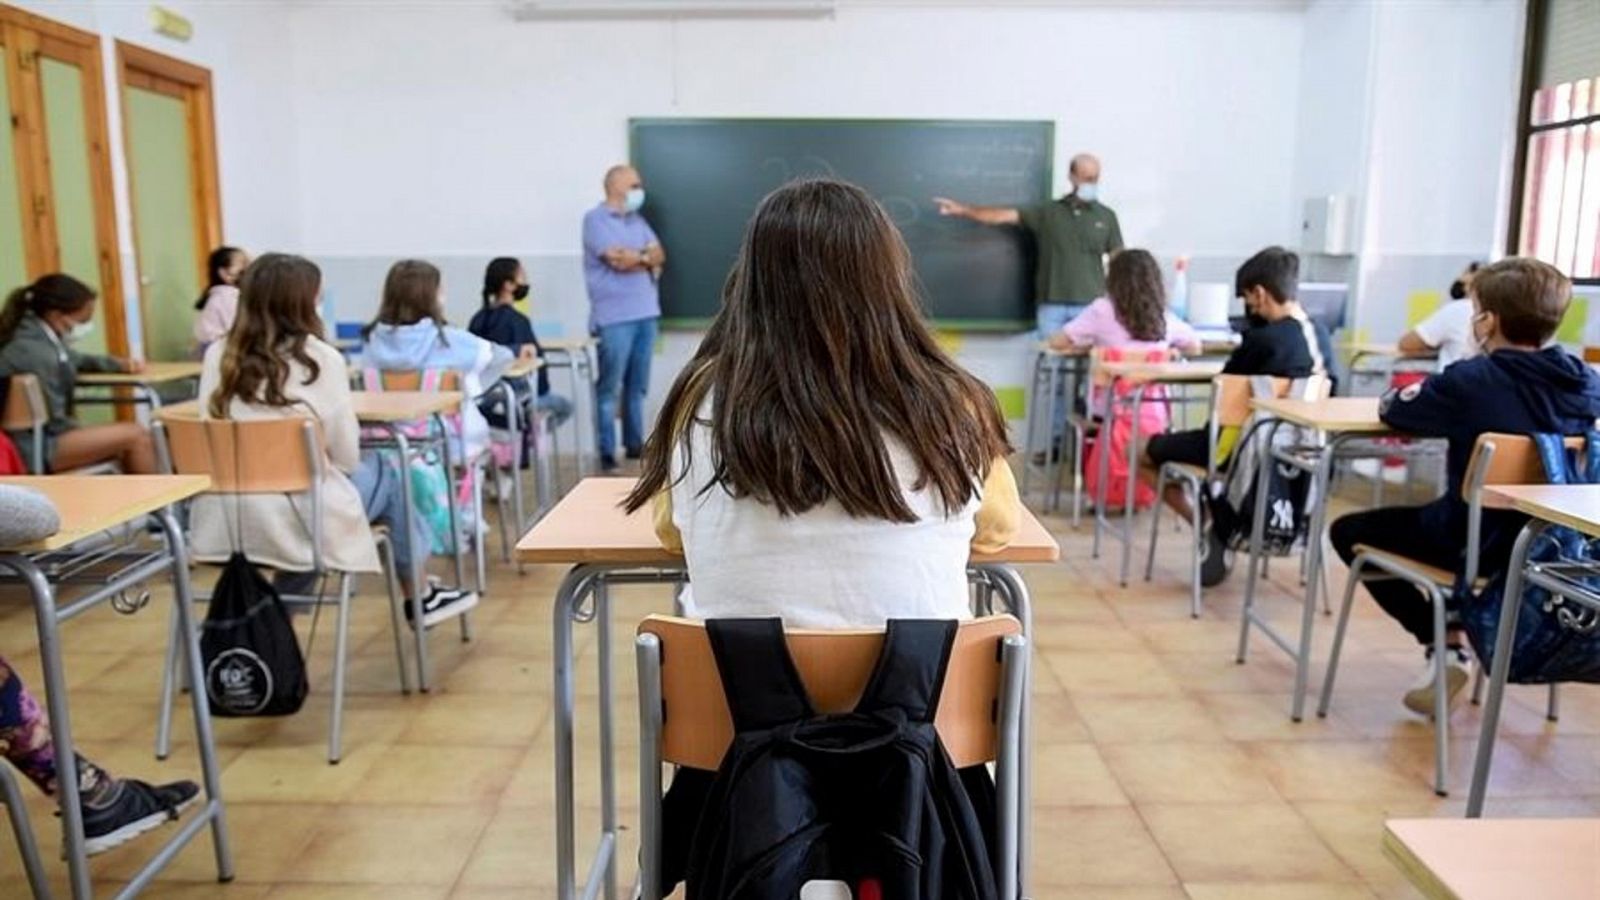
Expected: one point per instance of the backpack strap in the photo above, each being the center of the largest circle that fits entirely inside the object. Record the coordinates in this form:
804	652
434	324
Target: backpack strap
763	687
910	672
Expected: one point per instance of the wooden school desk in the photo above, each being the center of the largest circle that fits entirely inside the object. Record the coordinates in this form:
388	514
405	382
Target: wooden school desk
1140	376
1575	506
143	384
88	505
1343	420
588	531
573	355
1497	859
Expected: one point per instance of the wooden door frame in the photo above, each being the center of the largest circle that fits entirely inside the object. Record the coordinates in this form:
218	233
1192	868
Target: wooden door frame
27	37
146	69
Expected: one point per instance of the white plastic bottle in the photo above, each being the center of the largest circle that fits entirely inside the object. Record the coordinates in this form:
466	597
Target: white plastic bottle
1180	289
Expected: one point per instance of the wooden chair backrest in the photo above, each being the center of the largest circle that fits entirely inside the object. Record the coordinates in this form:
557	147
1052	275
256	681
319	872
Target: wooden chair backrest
1232	408
1591	354
25	407
834	666
265	456
1099	356
1515	460
411	380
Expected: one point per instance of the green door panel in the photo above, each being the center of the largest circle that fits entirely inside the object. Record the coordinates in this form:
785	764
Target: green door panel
71	181
13	261
163	214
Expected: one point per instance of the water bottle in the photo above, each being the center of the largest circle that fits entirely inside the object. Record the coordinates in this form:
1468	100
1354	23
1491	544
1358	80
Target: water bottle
1180	289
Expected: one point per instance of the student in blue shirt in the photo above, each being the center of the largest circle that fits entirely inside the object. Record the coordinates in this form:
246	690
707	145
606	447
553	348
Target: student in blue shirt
1520	383
622	263
505	283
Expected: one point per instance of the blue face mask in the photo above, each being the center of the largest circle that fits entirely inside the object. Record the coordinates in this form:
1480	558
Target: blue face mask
633	200
1088	193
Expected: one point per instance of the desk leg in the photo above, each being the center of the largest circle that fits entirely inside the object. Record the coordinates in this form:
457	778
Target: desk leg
1019	602
419	571
1030	429
1103	470
1054	444
1258	524
55	690
1321	476
1500	667
211	774
608	775
1133	478
578	582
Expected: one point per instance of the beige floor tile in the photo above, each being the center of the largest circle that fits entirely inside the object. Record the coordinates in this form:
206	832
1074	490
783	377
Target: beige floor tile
357	892
1116	674
1120	719
297	774
1336	770
1188	772
407	845
1278	891
460	774
478	720
270	845
1265	717
1107	846
1073	775
1242	842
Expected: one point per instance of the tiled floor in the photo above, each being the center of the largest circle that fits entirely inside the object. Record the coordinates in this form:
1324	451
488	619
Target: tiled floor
1164	769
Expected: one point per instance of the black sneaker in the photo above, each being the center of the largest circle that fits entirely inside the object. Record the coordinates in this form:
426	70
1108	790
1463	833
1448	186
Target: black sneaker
1214	560
134	808
608	464
634	453
440	604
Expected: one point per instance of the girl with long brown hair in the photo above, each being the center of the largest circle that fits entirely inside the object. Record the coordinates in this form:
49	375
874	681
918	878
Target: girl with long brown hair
38	327
1133	313
274	363
821	458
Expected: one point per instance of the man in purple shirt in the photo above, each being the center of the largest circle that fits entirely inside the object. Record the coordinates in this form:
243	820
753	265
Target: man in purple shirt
622	260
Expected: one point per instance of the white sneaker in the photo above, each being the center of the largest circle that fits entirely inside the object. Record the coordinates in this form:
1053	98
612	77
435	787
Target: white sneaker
1457	672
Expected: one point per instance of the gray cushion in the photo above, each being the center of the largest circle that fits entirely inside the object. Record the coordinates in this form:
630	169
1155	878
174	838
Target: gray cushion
25	516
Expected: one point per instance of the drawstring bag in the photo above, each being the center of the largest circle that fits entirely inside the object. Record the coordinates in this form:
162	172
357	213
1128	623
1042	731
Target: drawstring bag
248	650
1115	436
252	660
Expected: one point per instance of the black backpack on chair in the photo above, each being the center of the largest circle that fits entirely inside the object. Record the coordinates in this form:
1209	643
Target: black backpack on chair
868	796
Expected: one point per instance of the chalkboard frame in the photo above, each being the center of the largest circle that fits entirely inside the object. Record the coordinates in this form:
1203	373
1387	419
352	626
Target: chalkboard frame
993	326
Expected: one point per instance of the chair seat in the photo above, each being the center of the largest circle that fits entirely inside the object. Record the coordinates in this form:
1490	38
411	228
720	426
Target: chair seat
1442	577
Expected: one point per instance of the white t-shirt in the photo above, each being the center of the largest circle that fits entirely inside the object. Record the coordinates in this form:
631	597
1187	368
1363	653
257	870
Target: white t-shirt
1449	330
820	569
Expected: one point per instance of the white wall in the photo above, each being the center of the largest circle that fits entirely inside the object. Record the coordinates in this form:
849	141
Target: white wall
245	47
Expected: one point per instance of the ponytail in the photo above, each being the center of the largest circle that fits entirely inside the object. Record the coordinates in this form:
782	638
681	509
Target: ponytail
59	292
220	259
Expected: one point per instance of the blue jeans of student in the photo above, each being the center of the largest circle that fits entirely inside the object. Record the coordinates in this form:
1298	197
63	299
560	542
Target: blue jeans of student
1050	317
625	351
377	480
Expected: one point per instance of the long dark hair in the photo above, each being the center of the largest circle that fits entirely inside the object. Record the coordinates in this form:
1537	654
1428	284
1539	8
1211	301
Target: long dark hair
220	259
277	314
1133	282
819	354
410	294
57	292
501	270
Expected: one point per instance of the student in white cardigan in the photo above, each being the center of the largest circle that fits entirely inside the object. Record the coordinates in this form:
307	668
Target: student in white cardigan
821	458
274	364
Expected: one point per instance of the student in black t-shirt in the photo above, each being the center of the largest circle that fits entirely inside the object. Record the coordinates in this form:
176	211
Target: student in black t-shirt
1281	341
504	283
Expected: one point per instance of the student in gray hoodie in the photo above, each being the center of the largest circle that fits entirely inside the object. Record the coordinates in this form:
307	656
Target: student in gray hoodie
38	326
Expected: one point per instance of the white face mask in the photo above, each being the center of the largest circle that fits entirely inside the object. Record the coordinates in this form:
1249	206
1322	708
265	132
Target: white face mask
79	331
633	200
1088	192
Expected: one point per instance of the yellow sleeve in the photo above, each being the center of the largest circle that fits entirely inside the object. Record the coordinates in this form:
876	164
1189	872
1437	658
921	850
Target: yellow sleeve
666	531
1000	514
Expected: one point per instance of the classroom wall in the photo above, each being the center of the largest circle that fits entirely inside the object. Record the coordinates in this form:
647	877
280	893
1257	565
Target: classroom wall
244	46
1174	97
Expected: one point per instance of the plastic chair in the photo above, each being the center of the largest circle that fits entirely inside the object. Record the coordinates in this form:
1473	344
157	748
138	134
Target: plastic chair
254	457
26	413
1230	408
1496	459
684	718
22	830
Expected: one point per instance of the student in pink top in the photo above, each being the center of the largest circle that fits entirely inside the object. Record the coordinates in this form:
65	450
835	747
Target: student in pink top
1133	314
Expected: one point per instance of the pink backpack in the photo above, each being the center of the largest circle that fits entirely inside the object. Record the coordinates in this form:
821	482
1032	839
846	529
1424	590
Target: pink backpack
1115	435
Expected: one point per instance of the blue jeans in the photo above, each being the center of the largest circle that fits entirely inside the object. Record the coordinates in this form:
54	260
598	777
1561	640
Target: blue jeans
558	408
625	351
1050	318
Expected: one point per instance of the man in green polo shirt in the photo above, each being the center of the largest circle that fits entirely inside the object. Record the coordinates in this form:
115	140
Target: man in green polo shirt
1075	235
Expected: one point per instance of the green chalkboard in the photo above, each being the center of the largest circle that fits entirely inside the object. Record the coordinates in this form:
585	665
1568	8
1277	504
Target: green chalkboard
704	177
